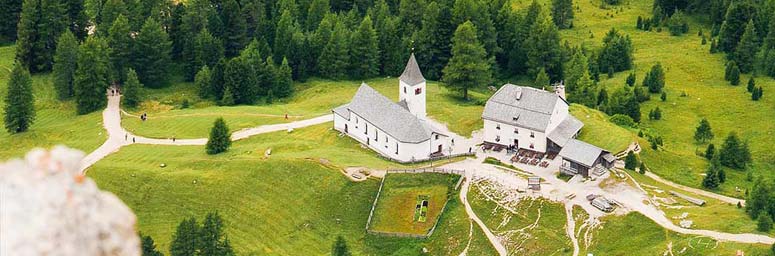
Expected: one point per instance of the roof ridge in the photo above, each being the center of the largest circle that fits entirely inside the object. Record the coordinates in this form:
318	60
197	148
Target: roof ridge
412	74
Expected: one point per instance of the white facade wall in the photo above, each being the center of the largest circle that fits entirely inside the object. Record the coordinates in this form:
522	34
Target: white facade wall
506	136
385	144
559	114
416	102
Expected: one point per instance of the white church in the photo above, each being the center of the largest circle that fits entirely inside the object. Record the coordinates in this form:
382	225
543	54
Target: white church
397	130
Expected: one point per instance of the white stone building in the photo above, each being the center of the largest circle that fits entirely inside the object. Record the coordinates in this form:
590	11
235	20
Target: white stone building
397	130
529	118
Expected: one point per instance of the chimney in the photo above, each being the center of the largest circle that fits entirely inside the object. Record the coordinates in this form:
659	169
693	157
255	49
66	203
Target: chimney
559	89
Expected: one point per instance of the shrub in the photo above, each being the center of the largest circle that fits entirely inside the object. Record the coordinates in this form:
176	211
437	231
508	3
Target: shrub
622	120
630	162
764	222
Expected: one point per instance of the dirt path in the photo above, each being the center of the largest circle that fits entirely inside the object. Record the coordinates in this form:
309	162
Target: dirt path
490	236
571	228
119	137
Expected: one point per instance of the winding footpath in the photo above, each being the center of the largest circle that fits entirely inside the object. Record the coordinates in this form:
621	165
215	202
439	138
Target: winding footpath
470	211
119	137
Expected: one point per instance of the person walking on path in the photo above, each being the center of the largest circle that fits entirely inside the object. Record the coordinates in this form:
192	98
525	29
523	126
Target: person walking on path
133	139
125	136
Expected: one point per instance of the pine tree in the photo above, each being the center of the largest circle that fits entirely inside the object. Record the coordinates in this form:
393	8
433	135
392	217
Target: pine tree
642	169
663	97
317	10
120	42
655	79
19	101
733	153
220	138
40	24
710	152
469	66
711	181
543	49
767	53
734	75
365	51
616	52
631	79
228	98
335	57
542	79
283	81
149	246
283	40
393	48
211	235
639	24
131	89
764	222
432	42
9	10
77	19
562	13
745	53
235	28
208	50
152	54
738	14
630	162
111	10
574	70
477	12
677	24
238	76
751	85
92	75
703	132
65	61
602	97
185	241
340	247
202	82
410	13
757	94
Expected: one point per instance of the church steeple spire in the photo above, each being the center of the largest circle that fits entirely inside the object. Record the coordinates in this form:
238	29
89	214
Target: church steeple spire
412	74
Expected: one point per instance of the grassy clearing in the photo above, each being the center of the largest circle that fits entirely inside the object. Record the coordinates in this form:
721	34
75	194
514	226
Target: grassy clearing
599	131
644	237
699	74
396	207
294	202
546	237
56	121
313	98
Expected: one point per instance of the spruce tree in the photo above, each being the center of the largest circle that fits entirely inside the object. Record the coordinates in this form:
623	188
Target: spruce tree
239	77
764	222
745	53
220	138
9	10
574	70
432	42
562	13
340	247
317	10
235	28
751	85
469	66
738	14
542	79
616	52
365	51
92	75
703	132
148	246
335	57
120	42
733	153
185	241
543	49
710	152
655	79
152	54
76	17
392	43
19	101
410	13
734	75
663	97
65	62
631	79
478	13
283	40
131	89
111	10
728	69
202	82
631	161
283	81
710	181
212	237
40	24
208	50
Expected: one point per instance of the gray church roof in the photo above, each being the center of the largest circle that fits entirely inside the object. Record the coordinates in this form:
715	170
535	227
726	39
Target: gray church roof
581	152
412	74
388	116
521	106
565	130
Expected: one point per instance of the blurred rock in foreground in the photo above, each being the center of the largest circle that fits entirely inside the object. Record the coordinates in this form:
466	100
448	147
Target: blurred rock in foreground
47	207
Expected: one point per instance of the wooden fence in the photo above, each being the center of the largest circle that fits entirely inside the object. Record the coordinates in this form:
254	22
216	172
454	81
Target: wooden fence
426	159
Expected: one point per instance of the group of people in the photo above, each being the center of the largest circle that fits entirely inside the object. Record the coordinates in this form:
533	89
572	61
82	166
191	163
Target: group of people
144	117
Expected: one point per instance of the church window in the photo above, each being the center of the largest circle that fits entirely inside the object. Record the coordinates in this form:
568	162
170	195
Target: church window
497	126
532	146
437	137
417	91
396	148
404	89
516	131
532	135
497	138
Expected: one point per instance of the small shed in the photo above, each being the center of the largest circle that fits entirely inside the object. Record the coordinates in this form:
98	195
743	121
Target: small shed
579	157
602	204
534	183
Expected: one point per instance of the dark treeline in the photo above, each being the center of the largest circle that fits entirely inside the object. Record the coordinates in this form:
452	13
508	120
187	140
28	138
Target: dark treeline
270	43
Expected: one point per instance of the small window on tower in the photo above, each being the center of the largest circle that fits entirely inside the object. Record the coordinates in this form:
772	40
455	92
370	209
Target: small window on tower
404	89
417	91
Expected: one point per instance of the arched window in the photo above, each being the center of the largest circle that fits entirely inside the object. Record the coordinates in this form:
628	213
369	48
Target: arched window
417	91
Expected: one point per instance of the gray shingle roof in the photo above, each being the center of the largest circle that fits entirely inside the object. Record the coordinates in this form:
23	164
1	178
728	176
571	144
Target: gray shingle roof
342	111
581	152
521	106
388	116
565	130
412	74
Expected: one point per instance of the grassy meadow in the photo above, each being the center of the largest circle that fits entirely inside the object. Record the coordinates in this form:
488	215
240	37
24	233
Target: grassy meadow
395	211
294	202
56	122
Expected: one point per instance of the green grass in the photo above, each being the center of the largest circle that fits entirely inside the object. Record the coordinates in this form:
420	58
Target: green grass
599	131
295	202
313	98
395	211
644	237
692	69
56	122
546	238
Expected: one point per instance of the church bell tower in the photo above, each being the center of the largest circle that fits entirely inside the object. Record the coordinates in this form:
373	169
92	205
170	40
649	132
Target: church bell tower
412	88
